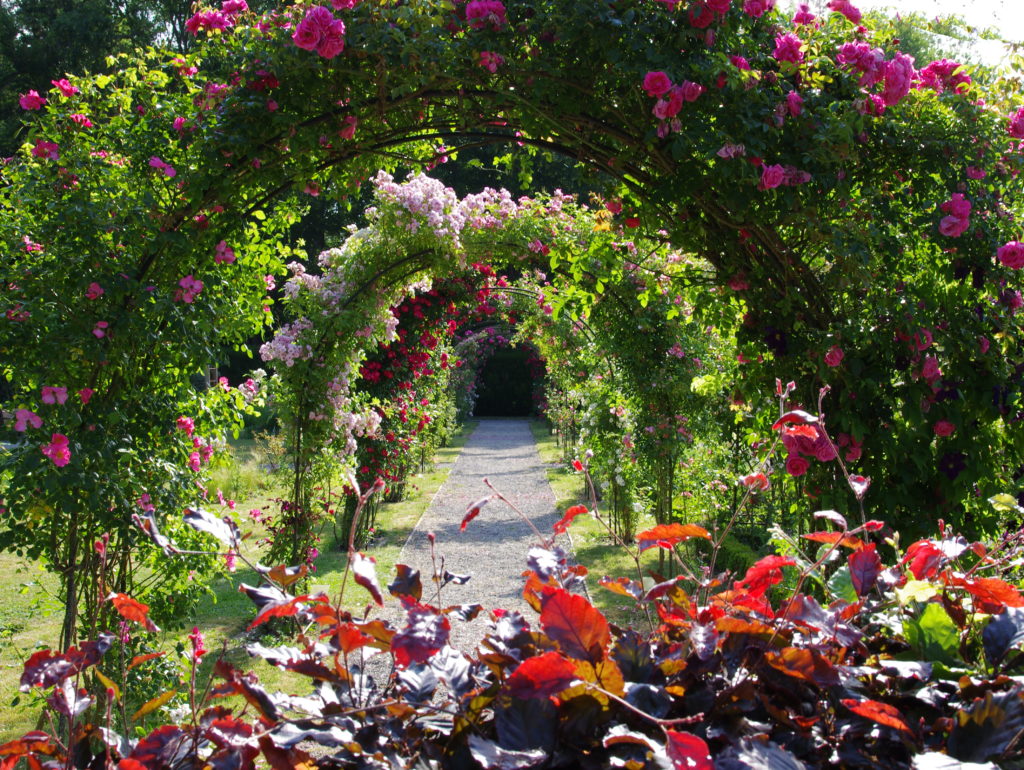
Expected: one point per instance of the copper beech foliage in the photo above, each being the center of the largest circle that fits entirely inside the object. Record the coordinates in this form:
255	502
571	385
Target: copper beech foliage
853	654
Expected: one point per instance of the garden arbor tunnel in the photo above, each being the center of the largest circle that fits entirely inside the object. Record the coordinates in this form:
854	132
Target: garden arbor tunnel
790	157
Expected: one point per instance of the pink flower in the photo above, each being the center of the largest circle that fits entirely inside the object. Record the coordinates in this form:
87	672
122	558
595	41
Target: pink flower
234	6
190	288
1012	255
847	9
738	282
771	177
54	395
976	173
657	83
480	13
794	103
898	75
26	418
58	450
167	168
739	62
1016	125
46	149
729	150
943	428
349	131
179	125
787	48
931	371
757	8
983	345
953	227
224	254
186	424
145	503
230	560
31	101
100	329
65	87
803	15
797	465
95	291
957	205
834	356
194	462
81	120
490	61
198	644
690	90
85	394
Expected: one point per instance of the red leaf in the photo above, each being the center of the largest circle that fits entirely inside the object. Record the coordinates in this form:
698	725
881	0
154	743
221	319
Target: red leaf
541	676
879	712
285	576
571	513
764	573
138	660
687	751
992	594
364	570
287	610
473	511
806	431
667	535
848	541
925	558
865	567
129	609
804	663
349	638
573	622
757	482
426	631
577	465
623	586
794	417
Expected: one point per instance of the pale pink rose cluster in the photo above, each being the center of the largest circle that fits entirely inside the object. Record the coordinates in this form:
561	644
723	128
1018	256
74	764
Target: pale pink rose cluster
490	61
319	31
670	98
846	8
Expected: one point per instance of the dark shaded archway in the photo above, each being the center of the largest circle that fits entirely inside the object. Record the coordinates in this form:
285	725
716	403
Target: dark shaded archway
506	384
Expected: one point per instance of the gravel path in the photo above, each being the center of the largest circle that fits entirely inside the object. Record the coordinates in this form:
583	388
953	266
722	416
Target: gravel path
493	548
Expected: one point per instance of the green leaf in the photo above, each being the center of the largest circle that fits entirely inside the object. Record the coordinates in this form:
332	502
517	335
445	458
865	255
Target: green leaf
841	584
934	635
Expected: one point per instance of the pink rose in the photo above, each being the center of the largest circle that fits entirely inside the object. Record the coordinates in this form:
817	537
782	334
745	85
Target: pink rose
95	291
54	395
803	15
58	450
794	103
333	40
797	465
931	371
31	101
1016	126
757	8
1012	255
657	83
834	356
787	48
983	345
897	76
824	451
65	87
85	394
844	7
480	13
194	462
943	428
772	176
690	90
26	418
958	206
953	227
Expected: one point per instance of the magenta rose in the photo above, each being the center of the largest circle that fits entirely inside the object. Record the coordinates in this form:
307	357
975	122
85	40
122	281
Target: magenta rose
772	176
657	83
797	465
787	48
834	356
307	34
953	227
943	428
897	76
31	101
1012	254
824	451
1016	126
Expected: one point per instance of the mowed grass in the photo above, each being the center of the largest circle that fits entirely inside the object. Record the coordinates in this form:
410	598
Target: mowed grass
31	613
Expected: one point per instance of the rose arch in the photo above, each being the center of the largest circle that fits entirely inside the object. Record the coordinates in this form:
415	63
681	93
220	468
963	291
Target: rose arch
849	213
